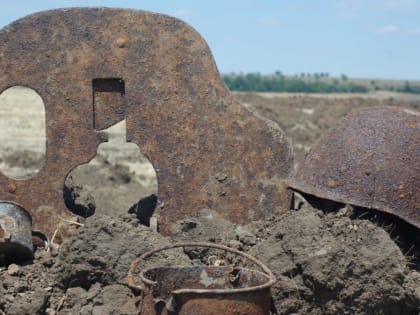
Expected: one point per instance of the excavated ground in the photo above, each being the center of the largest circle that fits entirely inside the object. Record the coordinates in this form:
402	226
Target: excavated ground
328	261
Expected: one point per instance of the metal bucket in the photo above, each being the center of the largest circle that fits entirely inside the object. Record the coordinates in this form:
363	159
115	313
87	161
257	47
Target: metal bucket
15	233
203	290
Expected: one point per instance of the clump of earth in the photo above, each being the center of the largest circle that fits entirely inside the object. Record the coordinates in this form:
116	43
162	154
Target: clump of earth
325	263
344	260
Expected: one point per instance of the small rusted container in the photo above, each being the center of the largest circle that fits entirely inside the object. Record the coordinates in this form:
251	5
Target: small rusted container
204	290
15	233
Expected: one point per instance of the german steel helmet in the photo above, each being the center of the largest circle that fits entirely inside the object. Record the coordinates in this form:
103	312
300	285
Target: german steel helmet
371	159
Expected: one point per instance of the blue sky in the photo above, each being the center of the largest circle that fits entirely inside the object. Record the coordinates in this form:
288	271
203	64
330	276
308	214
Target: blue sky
360	38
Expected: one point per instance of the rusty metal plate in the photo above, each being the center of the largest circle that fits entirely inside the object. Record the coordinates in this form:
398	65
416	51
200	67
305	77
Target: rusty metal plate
95	66
371	159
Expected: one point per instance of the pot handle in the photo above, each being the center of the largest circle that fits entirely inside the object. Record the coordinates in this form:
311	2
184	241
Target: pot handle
144	280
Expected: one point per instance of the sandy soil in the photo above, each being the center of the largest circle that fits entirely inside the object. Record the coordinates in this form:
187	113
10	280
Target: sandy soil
339	260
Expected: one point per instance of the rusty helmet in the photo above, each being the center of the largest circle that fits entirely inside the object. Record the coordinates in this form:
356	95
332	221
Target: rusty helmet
371	159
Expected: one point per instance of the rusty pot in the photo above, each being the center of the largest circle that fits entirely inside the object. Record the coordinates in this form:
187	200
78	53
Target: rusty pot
205	290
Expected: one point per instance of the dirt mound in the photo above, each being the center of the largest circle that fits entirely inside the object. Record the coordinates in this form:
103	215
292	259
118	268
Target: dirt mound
88	275
332	264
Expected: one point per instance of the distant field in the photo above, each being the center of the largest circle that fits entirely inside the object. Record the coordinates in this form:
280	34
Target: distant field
379	95
365	81
305	117
371	83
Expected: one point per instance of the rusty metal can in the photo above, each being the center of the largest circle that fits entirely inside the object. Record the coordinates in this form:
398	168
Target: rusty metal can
204	290
15	233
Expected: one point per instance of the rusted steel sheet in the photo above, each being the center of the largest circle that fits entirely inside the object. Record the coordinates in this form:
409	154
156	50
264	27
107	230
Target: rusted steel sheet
369	159
95	66
203	289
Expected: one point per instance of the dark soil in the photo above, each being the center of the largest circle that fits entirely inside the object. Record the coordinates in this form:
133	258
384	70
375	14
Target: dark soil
87	274
328	263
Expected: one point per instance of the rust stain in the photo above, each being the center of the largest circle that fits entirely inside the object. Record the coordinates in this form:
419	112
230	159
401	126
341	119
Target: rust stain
382	158
160	76
12	188
331	183
8	221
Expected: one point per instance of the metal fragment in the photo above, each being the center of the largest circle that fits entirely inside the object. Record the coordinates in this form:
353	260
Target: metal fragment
94	67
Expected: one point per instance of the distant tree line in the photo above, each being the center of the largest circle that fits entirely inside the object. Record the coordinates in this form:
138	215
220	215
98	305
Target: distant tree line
304	83
408	88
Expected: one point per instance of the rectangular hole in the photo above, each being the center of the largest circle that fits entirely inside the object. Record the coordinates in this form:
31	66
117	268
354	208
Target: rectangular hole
108	102
115	85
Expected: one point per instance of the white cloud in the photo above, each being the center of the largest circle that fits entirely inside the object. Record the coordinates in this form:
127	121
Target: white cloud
377	5
396	4
182	13
391	29
269	21
414	31
349	4
388	29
